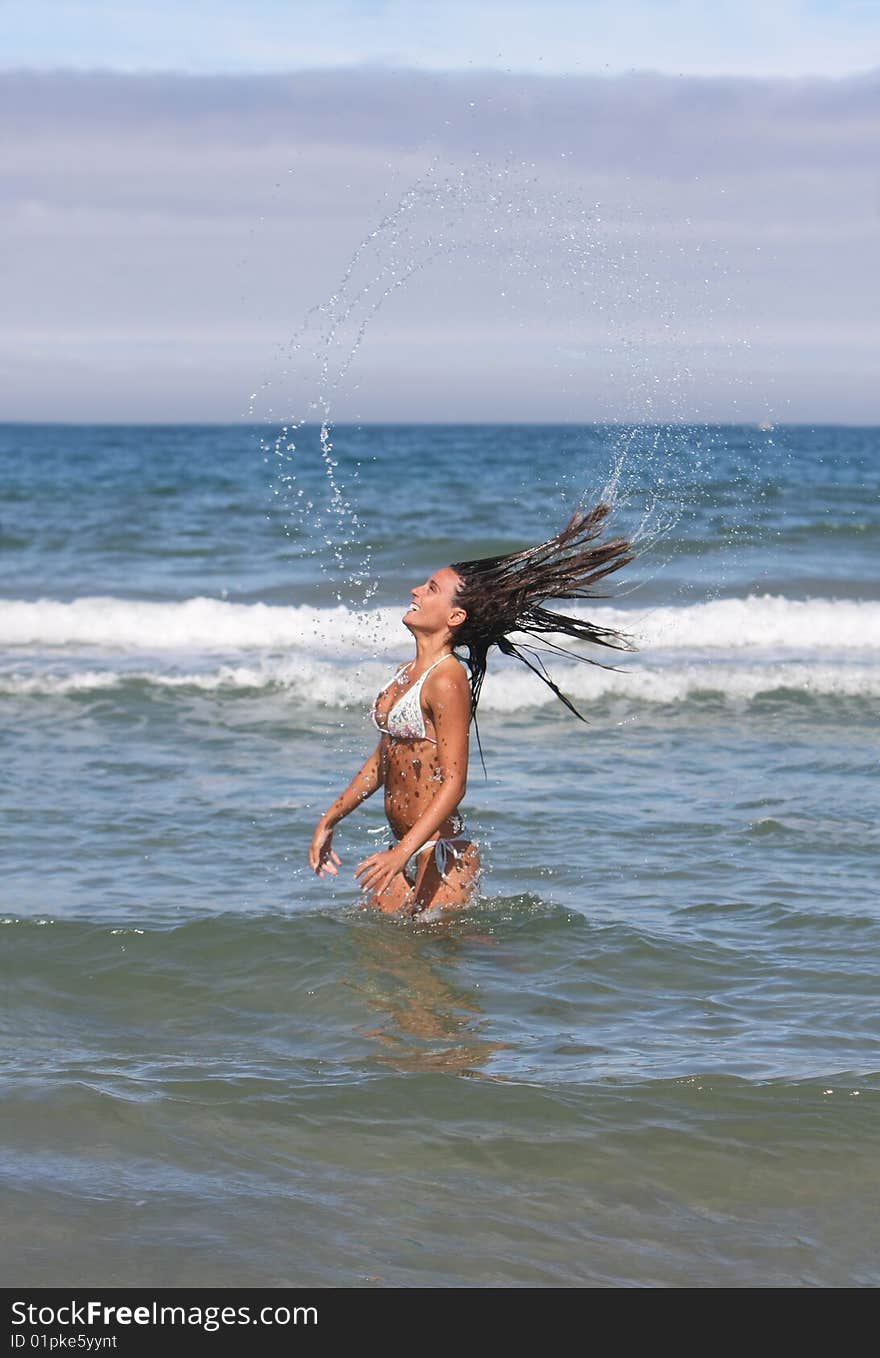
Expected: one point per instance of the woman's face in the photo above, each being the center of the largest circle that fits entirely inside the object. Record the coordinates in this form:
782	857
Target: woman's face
433	608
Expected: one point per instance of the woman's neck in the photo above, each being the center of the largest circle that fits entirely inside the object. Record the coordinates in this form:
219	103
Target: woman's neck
428	650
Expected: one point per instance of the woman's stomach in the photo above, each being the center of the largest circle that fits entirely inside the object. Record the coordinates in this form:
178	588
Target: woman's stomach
412	783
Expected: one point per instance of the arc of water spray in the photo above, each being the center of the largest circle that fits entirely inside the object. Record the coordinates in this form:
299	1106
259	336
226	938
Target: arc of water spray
335	349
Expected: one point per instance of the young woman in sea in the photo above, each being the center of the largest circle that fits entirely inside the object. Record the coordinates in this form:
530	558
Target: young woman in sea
424	713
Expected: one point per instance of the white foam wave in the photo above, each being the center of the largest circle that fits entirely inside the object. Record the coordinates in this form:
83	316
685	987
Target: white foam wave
508	691
212	626
194	625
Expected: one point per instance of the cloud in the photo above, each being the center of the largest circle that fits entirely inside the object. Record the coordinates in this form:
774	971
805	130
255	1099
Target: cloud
168	231
650	123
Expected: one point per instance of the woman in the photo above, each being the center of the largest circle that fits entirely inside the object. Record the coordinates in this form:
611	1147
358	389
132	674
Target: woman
424	713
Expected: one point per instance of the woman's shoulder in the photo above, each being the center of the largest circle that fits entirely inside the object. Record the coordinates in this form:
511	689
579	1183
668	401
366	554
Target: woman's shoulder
447	678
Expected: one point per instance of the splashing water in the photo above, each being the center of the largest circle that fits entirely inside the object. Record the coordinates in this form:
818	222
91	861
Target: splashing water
544	252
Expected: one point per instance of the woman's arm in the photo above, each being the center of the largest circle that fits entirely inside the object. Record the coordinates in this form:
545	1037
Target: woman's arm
447	698
364	783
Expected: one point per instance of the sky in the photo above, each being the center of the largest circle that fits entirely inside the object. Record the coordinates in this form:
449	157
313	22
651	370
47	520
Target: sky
662	210
551	37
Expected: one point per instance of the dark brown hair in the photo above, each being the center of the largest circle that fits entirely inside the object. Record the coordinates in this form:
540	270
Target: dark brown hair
503	594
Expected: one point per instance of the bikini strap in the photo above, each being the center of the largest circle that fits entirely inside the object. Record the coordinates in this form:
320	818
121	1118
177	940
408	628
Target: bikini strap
434	666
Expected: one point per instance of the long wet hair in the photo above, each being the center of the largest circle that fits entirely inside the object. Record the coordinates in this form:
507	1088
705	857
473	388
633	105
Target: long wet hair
504	594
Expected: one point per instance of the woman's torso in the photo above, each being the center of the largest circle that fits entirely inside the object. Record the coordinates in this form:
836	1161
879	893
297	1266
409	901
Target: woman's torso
411	770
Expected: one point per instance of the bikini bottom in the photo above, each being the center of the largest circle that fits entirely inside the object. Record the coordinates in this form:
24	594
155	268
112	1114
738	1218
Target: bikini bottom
444	849
443	846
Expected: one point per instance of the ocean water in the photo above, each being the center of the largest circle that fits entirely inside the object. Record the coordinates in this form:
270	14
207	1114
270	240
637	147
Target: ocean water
648	1055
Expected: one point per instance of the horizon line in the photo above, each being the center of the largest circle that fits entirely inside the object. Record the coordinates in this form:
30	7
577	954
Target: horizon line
762	425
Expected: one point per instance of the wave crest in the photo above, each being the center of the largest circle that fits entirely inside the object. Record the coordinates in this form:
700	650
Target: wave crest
212	625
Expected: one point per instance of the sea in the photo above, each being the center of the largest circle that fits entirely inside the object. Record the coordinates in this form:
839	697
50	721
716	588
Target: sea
647	1055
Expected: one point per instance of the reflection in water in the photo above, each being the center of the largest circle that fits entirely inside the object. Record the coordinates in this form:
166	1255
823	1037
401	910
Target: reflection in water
406	974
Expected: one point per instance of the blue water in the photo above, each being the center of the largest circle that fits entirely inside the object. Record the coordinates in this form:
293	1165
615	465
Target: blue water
648	1055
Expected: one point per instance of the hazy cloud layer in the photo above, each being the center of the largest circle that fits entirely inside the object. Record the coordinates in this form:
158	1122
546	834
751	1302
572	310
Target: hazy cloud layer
163	233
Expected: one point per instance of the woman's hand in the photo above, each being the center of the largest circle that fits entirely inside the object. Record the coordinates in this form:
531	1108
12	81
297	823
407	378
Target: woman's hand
380	868
321	855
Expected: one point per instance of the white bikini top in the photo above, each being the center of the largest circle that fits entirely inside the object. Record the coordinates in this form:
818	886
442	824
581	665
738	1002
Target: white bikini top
405	719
